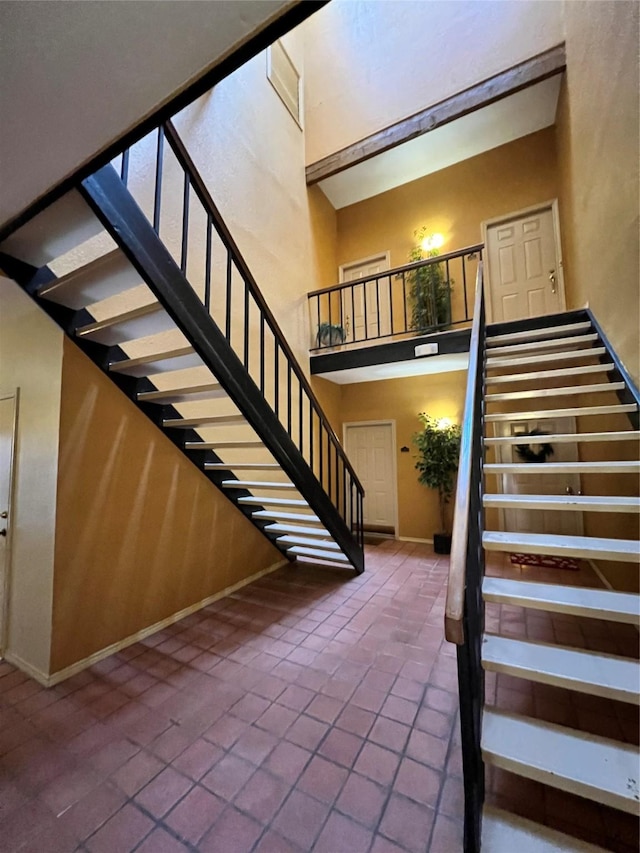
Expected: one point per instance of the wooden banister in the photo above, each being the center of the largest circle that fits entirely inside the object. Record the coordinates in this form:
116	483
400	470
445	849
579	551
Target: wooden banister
454	607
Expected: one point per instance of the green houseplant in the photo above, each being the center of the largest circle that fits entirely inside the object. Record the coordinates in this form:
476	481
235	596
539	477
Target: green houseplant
438	449
330	334
429	288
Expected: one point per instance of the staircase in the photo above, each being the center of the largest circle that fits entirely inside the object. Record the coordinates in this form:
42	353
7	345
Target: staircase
163	302
558	369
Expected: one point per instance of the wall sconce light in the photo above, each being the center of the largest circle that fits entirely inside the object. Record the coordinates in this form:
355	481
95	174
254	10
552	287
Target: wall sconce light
431	242
444	423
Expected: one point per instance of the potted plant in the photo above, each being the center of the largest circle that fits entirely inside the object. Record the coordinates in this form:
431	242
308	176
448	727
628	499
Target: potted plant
330	334
429	288
438	446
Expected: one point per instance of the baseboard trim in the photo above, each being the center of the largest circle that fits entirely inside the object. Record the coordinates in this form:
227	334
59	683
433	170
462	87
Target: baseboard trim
73	669
413	539
23	665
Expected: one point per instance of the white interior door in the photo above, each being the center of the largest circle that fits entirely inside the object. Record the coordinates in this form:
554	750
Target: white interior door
371	449
535	482
524	269
8	406
366	308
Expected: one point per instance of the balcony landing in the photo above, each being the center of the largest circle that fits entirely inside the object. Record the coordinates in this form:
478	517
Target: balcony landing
350	363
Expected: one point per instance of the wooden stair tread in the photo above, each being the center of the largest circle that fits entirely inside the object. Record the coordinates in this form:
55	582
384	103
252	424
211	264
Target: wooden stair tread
607	676
205	420
566	391
292	539
301	551
593	767
140	322
99	279
157	362
535	346
582	503
294	529
242	466
255	484
623	550
286	516
548	331
536	358
503	832
221	445
614	467
578	412
538	375
291	502
572	600
616	435
186	394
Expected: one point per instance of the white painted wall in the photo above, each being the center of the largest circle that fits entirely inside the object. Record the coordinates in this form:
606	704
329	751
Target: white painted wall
76	76
31	360
369	63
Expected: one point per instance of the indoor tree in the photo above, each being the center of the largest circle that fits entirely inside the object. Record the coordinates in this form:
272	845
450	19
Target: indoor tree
438	450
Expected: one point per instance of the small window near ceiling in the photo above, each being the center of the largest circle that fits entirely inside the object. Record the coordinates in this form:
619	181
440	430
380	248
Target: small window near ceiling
285	79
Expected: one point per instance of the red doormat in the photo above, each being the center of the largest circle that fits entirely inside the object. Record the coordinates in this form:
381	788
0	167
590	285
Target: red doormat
544	562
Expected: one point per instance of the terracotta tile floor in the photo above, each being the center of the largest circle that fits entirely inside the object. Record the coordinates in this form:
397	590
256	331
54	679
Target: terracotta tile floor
309	711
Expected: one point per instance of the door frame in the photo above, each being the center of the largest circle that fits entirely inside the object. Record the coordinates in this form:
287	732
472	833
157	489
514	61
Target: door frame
5	585
551	205
394	466
360	263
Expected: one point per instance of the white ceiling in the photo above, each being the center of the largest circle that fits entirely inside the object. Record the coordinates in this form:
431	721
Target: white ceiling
529	110
399	369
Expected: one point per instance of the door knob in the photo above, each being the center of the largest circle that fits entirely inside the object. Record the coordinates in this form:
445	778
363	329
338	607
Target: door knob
4	514
552	279
3	532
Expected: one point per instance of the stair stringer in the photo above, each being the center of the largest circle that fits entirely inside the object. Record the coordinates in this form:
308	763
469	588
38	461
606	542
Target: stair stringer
31	278
121	217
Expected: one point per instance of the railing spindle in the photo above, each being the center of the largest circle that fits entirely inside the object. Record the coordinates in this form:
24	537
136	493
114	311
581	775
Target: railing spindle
276	376
228	305
124	167
207	266
157	195
378	303
185	223
246	324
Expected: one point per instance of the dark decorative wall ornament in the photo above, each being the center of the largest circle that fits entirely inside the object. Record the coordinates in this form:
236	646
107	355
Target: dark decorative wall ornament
534	452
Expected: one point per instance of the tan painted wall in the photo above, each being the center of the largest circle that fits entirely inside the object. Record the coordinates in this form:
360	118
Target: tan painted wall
441	395
140	533
452	202
598	158
69	70
31	361
370	64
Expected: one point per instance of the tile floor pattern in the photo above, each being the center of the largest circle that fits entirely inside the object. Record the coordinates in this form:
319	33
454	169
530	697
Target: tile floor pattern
310	711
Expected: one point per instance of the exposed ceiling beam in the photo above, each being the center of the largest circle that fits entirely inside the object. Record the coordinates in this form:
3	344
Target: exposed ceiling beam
499	86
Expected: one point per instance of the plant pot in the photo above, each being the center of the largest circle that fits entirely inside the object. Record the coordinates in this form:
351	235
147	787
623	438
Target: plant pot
442	543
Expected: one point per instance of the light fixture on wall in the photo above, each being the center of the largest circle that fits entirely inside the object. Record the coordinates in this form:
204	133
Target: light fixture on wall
444	423
431	242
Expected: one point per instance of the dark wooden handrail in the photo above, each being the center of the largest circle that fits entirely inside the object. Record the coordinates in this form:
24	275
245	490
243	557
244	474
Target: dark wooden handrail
454	606
209	205
437	259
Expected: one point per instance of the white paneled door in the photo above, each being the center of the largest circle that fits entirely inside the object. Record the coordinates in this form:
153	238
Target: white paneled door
524	269
370	447
366	308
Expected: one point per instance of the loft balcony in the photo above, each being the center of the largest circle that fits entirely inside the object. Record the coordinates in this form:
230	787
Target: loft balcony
392	322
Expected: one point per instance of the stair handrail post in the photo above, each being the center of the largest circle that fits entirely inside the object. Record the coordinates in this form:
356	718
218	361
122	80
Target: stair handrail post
464	611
